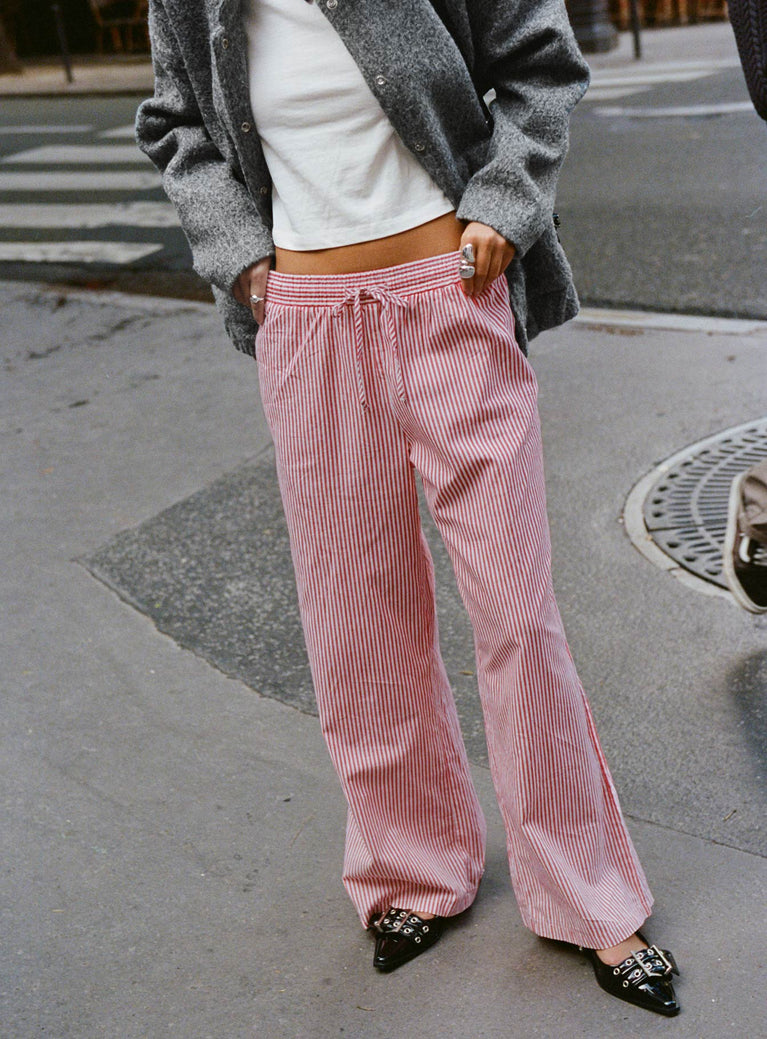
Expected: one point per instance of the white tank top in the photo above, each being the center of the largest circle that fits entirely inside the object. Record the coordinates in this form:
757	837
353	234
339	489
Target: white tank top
340	174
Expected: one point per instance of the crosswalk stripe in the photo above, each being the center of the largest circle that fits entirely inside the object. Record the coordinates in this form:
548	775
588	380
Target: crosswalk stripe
59	214
138	180
640	68
76	252
128	131
35	130
682	76
77	154
679	111
613	93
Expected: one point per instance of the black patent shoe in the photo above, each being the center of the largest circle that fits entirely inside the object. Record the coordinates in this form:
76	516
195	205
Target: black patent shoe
401	936
644	979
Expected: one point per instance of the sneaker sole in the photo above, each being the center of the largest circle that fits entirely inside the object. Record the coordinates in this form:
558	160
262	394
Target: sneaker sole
733	584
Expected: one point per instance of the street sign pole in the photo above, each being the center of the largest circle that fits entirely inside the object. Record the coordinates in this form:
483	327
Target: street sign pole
635	29
65	58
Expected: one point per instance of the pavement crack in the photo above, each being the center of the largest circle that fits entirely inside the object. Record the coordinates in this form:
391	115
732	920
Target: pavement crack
40	355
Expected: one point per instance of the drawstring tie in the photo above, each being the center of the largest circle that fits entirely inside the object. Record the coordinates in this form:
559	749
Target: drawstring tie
387	301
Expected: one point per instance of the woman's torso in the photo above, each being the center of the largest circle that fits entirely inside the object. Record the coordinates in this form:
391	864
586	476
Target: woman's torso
434	238
347	194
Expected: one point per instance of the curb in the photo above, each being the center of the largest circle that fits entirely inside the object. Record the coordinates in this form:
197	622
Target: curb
668	321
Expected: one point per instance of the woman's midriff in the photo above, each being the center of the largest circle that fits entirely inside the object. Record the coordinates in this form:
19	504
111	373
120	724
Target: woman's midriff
434	238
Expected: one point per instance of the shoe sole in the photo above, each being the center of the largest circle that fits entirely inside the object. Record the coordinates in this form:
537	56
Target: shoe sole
733	584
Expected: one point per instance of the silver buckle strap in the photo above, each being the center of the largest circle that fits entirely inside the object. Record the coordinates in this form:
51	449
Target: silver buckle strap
663	958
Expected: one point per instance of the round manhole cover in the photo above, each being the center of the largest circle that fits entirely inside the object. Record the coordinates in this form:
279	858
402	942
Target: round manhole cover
681	506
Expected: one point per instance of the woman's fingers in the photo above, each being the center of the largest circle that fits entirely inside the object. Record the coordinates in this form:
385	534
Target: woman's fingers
492	255
257	289
240	287
484	250
250	288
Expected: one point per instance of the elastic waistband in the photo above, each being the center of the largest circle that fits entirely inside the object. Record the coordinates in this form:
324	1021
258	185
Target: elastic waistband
405	279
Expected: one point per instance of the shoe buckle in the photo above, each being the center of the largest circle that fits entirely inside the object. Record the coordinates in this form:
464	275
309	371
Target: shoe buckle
398	917
401	921
639	958
375	925
663	958
642	955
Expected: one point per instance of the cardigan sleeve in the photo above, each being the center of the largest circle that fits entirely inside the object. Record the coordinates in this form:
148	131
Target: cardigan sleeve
526	51
225	230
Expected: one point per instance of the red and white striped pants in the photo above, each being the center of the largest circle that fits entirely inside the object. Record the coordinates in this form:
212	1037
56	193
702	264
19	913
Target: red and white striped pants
365	379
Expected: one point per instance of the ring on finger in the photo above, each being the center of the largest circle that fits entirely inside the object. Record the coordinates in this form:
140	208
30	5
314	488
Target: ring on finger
255	300
466	268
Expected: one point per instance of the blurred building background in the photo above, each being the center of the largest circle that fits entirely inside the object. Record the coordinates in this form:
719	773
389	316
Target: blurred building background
91	26
119	26
667	12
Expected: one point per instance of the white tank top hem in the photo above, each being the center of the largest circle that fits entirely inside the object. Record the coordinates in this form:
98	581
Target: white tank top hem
340	173
329	238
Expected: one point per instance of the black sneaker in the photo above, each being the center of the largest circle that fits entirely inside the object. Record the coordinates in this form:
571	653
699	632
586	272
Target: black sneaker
745	562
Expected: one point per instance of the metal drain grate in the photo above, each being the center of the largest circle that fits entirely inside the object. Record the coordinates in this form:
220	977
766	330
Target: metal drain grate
685	511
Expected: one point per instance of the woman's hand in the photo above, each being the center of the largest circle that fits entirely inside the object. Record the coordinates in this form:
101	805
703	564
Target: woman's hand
492	253
252	282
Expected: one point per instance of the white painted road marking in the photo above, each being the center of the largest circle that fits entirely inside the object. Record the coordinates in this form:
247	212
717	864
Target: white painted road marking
610	84
651	78
139	180
70	128
128	131
76	252
676	112
639	69
40	172
612	93
76	154
103	214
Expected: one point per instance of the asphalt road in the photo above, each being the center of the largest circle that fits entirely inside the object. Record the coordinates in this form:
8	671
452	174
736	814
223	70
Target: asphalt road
669	213
134	213
658	212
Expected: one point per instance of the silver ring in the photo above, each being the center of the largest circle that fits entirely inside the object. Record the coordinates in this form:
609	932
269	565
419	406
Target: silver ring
256	299
467	252
466	270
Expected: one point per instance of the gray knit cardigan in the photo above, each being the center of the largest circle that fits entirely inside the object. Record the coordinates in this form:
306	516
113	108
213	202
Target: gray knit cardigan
429	64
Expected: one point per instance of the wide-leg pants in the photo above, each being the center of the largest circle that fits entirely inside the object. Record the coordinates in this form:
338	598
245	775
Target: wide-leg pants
366	379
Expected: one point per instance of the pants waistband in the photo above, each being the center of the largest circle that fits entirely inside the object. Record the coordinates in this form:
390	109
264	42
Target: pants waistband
404	279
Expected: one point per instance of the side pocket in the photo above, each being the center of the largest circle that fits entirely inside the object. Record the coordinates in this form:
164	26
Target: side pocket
263	335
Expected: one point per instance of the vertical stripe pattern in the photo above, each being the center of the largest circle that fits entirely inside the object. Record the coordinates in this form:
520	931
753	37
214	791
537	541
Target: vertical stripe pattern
366	379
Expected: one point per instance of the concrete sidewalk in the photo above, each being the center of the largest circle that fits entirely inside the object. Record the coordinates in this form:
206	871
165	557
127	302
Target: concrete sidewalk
120	74
91	75
173	838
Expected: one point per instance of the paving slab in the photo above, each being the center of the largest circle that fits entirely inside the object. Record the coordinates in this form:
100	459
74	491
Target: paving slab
173	838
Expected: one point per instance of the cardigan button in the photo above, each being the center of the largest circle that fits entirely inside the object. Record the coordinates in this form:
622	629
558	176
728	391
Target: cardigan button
245	127
332	4
419	146
264	190
381	81
225	43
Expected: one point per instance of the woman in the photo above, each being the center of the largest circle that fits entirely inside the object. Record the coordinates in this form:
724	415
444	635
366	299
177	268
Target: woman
344	187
